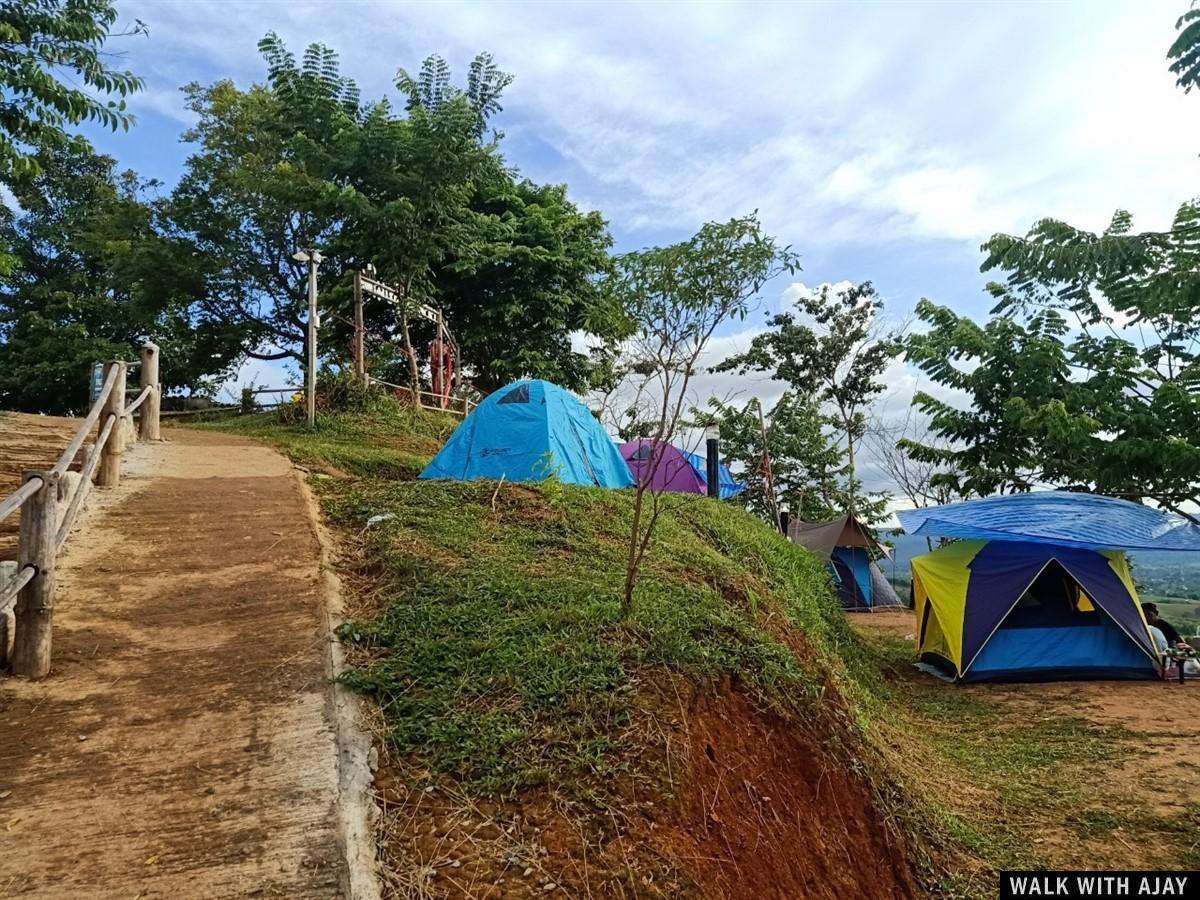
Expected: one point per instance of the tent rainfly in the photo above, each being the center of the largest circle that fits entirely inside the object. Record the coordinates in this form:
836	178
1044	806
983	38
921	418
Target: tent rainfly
528	431
1037	586
848	546
674	469
1025	611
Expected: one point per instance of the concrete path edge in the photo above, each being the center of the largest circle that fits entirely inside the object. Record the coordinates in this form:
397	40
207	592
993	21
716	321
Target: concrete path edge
357	812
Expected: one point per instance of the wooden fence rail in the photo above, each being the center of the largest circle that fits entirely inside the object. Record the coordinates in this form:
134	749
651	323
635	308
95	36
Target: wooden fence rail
459	406
50	501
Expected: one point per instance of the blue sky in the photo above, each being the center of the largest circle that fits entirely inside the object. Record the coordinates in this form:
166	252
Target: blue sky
884	141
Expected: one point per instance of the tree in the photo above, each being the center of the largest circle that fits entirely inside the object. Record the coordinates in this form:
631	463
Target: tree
1062	390
267	178
677	296
833	348
920	481
50	56
423	195
1012	374
412	208
787	456
95	277
528	282
1089	376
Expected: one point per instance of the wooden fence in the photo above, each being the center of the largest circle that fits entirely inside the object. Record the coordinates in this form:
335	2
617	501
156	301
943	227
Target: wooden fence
49	502
459	406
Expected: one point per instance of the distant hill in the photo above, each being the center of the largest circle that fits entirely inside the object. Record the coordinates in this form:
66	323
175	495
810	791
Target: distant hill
1157	572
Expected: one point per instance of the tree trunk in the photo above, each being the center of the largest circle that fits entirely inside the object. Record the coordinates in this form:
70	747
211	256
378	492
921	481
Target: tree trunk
414	374
631	562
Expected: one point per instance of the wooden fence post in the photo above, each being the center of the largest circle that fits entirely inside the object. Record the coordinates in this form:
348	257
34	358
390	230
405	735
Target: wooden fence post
148	414
8	571
360	359
36	546
109	473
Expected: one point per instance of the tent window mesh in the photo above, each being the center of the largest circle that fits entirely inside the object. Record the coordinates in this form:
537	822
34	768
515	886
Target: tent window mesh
642	453
519	394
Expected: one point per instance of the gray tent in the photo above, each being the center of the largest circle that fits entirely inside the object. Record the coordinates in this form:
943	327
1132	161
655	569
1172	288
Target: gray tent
848	545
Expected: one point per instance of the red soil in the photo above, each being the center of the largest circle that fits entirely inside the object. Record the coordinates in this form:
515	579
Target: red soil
763	809
769	810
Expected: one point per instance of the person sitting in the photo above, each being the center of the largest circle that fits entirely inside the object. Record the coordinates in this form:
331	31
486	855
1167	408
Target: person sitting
1161	646
1161	633
1154	620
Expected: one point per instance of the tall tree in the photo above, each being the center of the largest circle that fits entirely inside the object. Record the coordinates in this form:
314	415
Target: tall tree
52	67
832	347
1013	375
95	277
416	178
421	194
267	178
788	457
527	283
1089	377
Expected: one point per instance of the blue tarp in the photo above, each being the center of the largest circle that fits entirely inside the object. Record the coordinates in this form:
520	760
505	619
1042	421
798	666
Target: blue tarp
1066	518
527	431
729	486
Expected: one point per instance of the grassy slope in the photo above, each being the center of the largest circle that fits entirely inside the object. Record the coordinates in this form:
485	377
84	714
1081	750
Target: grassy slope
500	653
493	640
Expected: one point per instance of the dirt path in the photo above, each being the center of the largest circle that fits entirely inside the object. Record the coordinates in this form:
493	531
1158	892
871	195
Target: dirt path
27	442
182	746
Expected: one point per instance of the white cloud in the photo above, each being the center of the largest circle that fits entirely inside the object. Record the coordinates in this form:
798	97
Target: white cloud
842	123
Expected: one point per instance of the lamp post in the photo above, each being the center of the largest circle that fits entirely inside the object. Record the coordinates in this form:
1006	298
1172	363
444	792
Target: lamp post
311	258
712	457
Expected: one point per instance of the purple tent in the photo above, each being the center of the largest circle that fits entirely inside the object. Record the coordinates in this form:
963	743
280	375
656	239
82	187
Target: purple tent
673	473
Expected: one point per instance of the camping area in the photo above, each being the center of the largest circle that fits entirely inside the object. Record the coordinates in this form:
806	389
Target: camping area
679	450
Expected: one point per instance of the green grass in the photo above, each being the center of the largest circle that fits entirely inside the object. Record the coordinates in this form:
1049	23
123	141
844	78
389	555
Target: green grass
496	645
1025	772
379	439
500	654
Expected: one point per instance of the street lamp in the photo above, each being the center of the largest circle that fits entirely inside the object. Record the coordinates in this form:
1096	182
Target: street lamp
311	258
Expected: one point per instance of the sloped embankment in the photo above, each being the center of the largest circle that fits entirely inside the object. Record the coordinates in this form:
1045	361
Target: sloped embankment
537	741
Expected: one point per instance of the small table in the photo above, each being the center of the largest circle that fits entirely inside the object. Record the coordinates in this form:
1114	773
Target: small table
1181	657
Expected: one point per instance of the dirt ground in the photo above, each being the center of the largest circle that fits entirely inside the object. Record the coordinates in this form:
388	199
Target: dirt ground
770	810
1156	777
27	442
181	747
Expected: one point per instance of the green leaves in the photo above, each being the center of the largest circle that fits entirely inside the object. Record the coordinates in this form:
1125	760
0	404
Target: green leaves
682	291
832	348
1088	375
51	58
1185	52
1109	401
96	273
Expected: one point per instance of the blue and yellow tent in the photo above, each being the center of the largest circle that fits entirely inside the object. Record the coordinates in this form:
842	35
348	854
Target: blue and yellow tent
1037	586
1023	611
528	431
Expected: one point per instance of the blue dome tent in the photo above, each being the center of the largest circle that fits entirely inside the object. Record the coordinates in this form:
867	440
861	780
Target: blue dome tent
528	431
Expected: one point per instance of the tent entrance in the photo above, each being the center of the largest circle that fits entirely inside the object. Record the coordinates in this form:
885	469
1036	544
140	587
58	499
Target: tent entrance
1054	631
852	572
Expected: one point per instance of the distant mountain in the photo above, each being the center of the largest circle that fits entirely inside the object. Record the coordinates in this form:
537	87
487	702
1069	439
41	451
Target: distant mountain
1156	572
